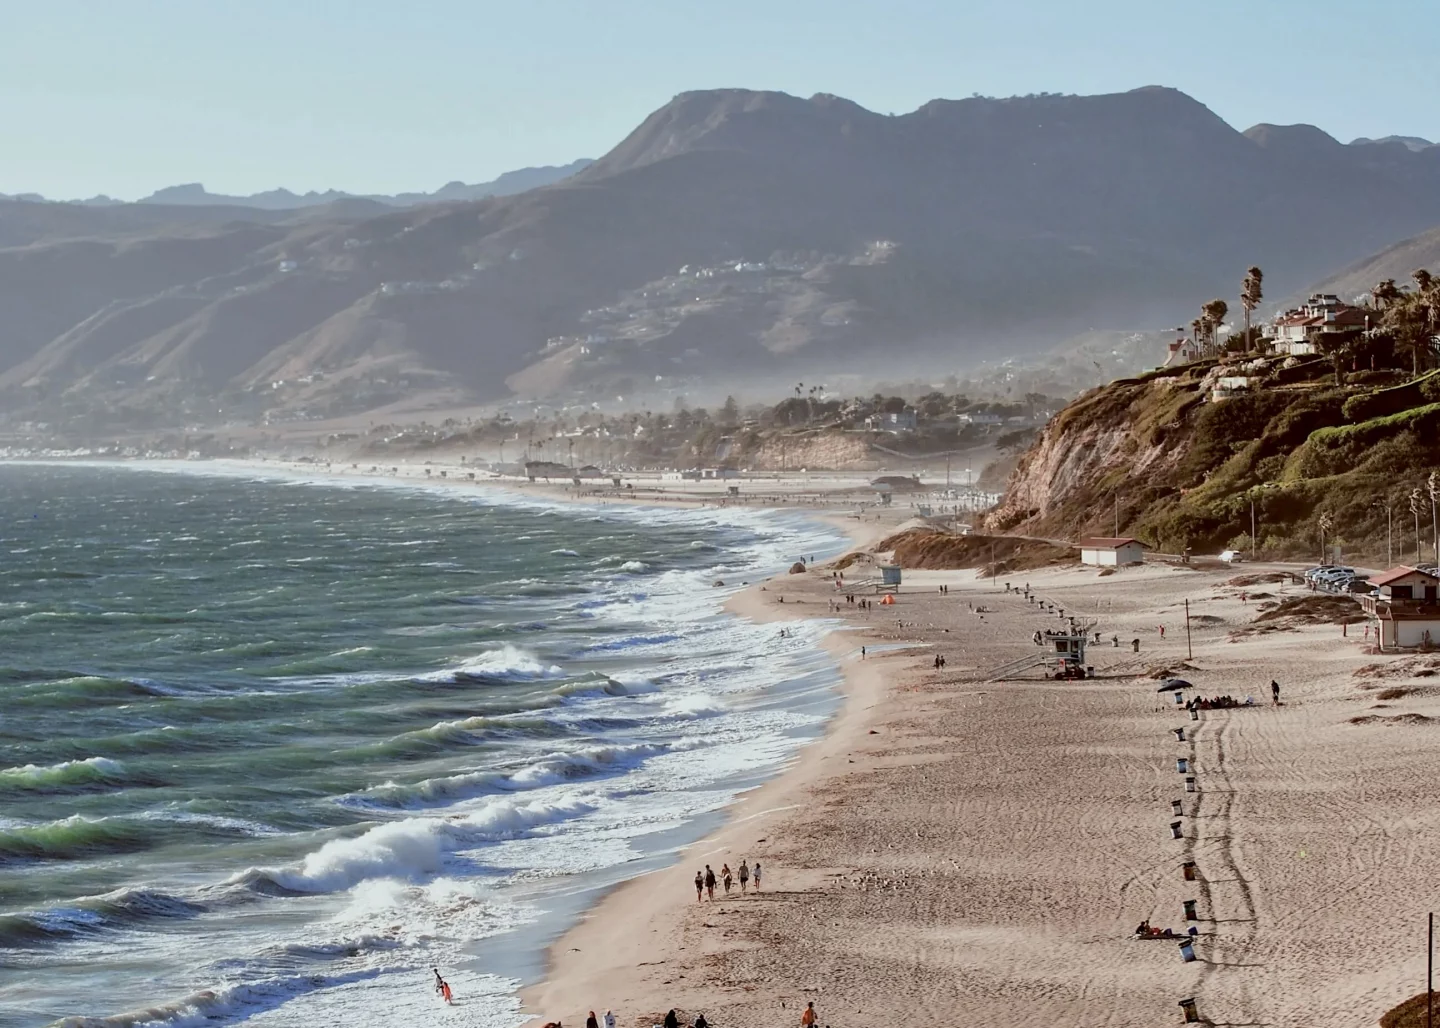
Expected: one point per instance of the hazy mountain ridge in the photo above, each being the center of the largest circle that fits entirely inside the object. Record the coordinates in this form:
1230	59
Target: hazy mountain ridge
732	233
194	194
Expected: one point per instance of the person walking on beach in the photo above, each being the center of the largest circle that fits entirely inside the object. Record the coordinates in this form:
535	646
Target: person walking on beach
808	1018
862	653
609	1020
710	882
755	873
744	876
699	886
442	987
592	1021
1274	693
725	877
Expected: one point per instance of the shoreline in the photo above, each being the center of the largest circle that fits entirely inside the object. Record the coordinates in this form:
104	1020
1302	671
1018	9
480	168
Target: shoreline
747	822
742	603
958	850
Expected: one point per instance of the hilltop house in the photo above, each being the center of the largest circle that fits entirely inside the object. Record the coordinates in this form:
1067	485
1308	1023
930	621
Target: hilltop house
1406	608
894	422
1183	351
1306	329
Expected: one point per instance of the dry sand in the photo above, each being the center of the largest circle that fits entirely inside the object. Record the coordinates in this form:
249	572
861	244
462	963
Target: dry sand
957	851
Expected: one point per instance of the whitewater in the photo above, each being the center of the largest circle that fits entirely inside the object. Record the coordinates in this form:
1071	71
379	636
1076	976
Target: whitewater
272	747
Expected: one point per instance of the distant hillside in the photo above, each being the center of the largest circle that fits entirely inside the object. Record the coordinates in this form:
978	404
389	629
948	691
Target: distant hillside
1396	261
1409	142
196	195
733	236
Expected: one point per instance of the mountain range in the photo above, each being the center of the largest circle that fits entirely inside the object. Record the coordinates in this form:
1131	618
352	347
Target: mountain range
733	236
196	195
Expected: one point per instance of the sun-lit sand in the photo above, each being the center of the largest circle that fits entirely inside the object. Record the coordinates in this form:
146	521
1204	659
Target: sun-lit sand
958	851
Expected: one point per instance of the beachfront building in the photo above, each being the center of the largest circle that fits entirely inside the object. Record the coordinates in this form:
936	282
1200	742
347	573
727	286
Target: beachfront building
1307	329
1111	553
1406	608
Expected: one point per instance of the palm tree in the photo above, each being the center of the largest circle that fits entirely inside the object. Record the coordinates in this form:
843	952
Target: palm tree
1196	327
1250	297
1385	293
1214	315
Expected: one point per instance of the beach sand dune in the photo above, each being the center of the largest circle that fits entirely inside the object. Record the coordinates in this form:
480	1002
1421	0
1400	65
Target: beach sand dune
960	851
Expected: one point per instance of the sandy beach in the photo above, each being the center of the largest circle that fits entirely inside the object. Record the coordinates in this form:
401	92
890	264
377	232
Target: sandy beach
958	850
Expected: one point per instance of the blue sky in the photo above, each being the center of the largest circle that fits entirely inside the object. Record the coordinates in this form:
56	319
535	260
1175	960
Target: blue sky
126	96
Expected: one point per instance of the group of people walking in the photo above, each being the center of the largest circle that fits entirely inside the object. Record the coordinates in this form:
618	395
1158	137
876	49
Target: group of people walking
705	881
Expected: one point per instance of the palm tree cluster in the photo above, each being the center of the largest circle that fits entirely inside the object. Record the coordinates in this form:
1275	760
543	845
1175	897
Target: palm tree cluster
1206	328
1407	321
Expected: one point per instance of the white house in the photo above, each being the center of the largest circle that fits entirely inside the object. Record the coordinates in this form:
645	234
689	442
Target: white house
1306	329
1109	553
1406	608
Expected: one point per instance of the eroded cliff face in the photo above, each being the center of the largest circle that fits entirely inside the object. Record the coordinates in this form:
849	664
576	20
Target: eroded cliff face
1114	444
1178	456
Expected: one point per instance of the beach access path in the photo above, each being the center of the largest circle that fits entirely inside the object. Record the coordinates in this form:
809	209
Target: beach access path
961	851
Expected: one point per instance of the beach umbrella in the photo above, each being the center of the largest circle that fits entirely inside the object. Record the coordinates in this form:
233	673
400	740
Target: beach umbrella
1171	684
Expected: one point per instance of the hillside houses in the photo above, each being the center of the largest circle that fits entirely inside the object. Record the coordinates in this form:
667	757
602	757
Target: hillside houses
1309	328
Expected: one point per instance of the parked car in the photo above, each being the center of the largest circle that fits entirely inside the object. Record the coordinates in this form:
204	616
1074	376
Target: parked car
1231	557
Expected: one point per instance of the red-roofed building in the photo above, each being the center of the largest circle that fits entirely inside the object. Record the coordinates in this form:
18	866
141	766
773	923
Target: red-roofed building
1306	329
1406	608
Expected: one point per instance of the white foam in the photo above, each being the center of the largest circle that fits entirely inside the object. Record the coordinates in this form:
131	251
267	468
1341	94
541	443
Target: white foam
414	848
506	662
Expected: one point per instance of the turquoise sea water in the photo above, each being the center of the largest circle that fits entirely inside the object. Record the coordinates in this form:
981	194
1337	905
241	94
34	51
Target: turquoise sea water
270	749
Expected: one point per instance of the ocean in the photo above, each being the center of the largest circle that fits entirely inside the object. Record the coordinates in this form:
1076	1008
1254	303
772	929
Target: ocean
271	748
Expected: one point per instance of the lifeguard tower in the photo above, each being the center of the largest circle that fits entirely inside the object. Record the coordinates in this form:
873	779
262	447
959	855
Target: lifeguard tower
1061	653
1067	659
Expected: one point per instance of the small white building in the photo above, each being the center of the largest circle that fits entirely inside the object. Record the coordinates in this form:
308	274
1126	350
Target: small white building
1406	608
1111	553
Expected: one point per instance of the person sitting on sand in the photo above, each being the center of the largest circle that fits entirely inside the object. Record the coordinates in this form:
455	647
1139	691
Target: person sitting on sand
671	1021
700	1022
1143	928
592	1021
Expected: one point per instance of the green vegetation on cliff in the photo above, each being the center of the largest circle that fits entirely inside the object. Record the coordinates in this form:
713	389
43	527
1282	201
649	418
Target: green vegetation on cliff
1178	456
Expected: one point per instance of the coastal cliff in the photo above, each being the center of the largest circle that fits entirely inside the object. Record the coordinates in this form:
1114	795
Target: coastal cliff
1176	457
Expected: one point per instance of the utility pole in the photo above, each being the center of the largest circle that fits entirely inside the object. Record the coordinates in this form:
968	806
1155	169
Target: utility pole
1252	527
1117	515
1189	652
947	472
1432	486
1430	972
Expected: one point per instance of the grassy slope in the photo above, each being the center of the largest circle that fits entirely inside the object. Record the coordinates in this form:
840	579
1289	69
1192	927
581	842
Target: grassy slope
1301	446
